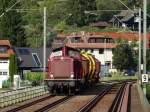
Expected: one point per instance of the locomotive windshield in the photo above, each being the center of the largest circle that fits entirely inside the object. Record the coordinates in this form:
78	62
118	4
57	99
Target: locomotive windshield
56	53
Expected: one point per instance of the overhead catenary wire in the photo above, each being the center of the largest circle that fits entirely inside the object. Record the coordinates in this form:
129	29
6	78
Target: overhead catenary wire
10	8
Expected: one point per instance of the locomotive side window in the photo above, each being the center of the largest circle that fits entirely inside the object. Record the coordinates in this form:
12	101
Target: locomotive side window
74	54
56	53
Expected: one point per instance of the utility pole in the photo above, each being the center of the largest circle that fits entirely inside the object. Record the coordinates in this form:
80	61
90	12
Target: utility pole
139	77
144	39
105	57
44	42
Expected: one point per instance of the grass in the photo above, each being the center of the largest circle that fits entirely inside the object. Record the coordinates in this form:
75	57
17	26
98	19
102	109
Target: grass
118	76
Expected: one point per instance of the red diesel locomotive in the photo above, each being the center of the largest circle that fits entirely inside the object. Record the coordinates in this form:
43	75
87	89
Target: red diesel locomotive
70	69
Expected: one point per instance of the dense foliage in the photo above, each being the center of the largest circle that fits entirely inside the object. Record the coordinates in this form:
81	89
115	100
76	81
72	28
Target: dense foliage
35	78
123	57
77	9
13	68
11	24
148	60
25	27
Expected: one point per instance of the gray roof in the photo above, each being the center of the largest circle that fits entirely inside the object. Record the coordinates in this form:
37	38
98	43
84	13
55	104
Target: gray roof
25	57
124	16
124	13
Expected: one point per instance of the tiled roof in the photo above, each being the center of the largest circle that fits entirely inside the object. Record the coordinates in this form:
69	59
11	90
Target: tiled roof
5	43
126	35
10	50
131	36
92	45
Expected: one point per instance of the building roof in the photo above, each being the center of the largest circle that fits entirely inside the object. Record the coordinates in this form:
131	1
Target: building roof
99	24
92	45
9	51
126	15
5	43
126	35
25	57
131	36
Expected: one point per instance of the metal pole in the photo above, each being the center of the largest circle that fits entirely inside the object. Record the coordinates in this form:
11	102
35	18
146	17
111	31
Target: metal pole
144	40
105	56
44	43
139	77
144	32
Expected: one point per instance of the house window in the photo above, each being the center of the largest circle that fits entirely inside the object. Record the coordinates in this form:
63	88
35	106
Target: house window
4	73
108	64
101	51
3	49
99	40
3	61
75	39
36	59
91	40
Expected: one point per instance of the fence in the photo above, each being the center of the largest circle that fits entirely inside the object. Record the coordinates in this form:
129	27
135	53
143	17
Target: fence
13	97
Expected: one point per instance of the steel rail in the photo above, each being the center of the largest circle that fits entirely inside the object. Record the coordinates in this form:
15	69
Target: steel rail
125	102
87	107
30	104
121	100
54	104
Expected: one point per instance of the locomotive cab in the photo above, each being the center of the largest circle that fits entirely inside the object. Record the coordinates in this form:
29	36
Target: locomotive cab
64	69
69	70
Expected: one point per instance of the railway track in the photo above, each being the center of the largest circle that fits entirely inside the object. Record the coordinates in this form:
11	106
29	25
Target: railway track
54	104
92	101
21	107
119	104
66	103
87	107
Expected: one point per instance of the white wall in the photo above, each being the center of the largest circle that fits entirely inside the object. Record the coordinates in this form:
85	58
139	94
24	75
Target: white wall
4	67
106	56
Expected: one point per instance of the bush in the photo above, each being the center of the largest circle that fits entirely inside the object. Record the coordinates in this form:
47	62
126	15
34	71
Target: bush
34	77
148	91
6	84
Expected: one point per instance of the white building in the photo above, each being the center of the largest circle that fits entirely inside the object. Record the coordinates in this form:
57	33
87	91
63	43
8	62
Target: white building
5	52
99	44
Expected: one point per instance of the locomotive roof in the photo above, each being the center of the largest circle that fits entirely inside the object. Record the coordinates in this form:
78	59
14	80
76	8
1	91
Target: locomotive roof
67	47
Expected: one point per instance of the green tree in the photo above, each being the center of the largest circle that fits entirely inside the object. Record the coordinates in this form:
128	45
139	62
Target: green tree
108	5
77	10
148	60
34	20
11	24
148	7
13	69
123	57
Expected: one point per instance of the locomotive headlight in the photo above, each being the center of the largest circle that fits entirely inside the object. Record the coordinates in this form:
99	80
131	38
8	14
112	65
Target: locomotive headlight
72	75
51	75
